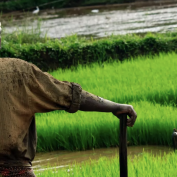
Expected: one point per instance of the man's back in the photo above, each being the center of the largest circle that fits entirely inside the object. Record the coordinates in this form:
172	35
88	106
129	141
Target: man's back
16	116
25	90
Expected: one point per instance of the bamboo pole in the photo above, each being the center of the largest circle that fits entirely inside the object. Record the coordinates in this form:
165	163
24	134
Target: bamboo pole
123	146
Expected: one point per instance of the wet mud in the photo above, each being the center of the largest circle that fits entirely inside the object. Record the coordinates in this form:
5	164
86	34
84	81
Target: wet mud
62	159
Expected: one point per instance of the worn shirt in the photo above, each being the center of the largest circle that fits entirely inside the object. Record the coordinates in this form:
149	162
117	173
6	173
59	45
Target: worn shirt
24	91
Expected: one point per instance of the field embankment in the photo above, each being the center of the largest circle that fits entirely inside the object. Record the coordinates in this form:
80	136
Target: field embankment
26	5
69	52
21	5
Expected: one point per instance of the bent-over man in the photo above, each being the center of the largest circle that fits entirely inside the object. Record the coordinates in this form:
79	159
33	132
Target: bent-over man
26	90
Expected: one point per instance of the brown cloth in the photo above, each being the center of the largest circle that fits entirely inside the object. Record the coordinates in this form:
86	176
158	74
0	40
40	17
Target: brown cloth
24	91
16	172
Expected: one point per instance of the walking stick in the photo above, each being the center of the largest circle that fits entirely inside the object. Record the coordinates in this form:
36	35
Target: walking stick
123	146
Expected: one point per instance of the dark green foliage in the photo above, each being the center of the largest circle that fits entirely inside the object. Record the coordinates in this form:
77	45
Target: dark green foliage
71	51
27	5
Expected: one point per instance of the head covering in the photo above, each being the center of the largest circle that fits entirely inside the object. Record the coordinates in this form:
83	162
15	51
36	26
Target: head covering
0	34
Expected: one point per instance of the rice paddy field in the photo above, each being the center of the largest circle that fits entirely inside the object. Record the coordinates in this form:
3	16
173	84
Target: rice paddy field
149	84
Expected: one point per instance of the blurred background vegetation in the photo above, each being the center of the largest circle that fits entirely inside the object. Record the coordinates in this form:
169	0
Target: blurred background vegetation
25	5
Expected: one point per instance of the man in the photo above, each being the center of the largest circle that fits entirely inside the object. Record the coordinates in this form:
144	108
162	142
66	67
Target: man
26	90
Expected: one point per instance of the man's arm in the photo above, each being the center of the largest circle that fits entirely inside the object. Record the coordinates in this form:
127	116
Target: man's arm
90	102
47	94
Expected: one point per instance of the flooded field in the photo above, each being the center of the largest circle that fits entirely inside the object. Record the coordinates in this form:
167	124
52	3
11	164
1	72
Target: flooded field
100	23
62	159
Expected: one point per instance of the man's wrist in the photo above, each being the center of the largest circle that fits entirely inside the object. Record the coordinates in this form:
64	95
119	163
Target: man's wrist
121	108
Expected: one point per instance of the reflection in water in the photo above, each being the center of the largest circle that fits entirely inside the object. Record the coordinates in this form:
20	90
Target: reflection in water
107	22
61	159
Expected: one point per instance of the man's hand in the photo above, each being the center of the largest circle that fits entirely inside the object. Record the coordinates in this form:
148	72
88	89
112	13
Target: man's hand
90	102
127	109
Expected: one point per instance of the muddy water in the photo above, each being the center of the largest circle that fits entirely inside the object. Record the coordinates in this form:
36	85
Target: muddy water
106	22
62	159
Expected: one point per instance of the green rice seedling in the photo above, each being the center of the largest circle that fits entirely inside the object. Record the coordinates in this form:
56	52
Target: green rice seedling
147	165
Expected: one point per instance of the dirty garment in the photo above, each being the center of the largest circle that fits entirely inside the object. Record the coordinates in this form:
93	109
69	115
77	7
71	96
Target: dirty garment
16	172
24	91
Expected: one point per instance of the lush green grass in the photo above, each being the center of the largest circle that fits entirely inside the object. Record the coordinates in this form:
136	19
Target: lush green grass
148	84
145	165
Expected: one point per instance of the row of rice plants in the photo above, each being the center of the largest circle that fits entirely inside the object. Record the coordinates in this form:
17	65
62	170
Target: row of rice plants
148	79
147	165
134	82
138	80
87	130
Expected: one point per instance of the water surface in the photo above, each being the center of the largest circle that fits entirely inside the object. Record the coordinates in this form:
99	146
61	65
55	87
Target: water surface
106	22
62	159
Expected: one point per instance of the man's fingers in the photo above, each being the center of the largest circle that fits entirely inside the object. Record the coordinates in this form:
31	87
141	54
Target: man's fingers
129	123
131	114
131	120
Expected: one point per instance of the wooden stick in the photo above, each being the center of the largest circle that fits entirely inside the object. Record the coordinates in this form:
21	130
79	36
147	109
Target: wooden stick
123	146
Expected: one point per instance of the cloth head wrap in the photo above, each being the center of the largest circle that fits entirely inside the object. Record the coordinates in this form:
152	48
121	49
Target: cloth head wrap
0	34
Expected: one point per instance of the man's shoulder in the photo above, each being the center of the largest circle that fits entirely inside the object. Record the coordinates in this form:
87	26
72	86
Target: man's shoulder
8	65
13	61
